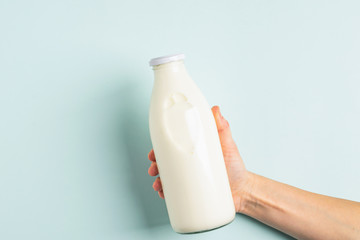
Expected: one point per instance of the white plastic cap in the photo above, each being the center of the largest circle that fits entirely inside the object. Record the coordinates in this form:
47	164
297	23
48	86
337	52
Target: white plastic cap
166	59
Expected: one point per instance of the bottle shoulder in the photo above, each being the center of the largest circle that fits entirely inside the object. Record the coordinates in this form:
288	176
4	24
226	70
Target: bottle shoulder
163	94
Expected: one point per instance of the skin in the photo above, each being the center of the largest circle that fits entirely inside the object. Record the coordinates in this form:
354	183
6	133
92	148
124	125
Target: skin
299	213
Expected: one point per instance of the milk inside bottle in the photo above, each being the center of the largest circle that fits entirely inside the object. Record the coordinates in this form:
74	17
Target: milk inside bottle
187	150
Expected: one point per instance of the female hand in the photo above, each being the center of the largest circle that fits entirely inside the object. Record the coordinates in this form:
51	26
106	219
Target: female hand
237	174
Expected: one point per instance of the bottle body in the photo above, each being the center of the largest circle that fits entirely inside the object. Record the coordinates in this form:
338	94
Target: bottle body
188	152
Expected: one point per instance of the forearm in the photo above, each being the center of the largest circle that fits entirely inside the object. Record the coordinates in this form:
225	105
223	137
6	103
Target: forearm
301	214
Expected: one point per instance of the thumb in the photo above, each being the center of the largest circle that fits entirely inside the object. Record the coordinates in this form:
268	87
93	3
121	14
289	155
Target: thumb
223	128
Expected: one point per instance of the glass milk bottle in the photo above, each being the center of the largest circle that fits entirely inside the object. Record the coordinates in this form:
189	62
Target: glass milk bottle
187	150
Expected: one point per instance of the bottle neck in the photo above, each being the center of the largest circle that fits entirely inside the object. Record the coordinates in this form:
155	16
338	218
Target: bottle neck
170	70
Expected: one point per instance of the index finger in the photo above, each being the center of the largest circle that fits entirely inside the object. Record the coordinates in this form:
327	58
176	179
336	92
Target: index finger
151	156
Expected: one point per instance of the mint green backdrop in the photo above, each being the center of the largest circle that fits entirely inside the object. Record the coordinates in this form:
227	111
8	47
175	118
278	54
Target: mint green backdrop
74	95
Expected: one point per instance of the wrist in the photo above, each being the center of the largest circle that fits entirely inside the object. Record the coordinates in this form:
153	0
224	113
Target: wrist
243	194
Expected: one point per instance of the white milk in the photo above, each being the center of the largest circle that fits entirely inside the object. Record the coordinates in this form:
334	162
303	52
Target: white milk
188	151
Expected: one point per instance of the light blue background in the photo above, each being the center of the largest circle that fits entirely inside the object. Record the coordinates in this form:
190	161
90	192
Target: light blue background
75	88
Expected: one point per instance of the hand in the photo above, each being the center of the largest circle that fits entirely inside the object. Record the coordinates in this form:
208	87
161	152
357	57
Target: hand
238	176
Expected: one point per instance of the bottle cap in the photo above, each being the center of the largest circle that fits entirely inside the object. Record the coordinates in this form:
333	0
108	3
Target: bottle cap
166	59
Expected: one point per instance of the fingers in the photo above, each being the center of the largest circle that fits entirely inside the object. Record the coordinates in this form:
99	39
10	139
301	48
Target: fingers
158	187
222	126
221	122
157	184
151	156
161	194
153	169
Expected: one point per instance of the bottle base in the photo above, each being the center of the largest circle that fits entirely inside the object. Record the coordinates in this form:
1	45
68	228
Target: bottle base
207	230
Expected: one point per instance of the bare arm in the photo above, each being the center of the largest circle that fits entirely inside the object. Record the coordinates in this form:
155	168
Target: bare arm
301	214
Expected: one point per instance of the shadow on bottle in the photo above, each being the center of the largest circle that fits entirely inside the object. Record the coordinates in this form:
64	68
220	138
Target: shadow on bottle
136	139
